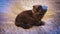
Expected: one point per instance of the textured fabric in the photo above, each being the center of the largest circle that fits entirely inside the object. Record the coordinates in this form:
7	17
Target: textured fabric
9	9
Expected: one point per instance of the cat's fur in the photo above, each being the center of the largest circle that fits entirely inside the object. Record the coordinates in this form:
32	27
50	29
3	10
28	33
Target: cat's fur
30	18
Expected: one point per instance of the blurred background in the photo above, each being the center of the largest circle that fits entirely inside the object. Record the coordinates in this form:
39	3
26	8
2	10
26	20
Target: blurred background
9	9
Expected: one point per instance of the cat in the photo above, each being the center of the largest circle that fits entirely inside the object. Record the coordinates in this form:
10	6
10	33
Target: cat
30	18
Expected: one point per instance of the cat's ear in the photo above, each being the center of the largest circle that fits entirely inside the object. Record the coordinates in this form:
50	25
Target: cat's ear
33	6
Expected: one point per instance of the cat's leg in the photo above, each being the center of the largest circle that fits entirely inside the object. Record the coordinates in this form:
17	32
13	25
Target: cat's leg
23	25
40	23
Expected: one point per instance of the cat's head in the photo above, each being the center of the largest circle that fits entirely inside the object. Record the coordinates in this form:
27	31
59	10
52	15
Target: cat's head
39	9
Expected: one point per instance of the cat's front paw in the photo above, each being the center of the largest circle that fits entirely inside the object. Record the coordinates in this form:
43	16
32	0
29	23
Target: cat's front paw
40	23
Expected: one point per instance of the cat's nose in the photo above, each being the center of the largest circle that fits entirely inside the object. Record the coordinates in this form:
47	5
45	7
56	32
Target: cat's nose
44	7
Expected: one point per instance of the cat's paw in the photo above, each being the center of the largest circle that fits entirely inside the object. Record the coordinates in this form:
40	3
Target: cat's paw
41	23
